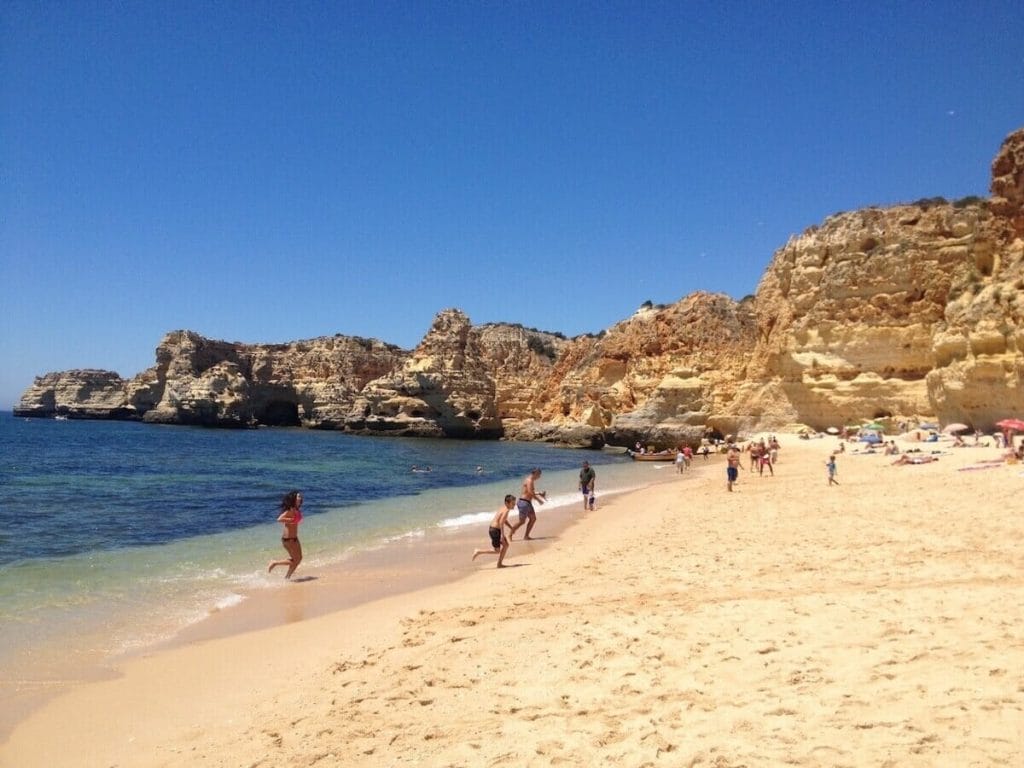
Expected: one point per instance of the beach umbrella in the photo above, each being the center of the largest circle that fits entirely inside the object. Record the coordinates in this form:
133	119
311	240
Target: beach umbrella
1015	424
952	429
871	437
833	430
874	425
927	425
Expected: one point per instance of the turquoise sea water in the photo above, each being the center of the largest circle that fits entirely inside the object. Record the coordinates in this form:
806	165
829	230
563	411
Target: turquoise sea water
117	535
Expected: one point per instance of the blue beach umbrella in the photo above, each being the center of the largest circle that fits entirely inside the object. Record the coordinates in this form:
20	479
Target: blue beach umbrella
870	437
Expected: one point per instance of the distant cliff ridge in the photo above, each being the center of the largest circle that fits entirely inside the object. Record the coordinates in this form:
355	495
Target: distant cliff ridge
911	310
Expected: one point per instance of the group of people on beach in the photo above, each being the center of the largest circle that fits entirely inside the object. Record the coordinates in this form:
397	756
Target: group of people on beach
291	516
527	515
763	455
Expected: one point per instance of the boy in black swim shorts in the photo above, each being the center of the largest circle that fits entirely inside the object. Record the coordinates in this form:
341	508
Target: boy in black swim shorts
499	544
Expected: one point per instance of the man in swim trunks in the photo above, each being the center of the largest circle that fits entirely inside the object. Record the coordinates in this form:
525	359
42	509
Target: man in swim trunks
588	478
529	495
496	530
732	466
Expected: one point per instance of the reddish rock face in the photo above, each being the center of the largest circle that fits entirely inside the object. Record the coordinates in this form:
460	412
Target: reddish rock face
913	310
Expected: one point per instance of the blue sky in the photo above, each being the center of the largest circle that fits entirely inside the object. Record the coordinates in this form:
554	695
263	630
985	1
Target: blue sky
265	172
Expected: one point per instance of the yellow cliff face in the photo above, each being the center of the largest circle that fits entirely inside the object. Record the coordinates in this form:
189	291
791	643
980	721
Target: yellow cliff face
909	310
661	374
848	312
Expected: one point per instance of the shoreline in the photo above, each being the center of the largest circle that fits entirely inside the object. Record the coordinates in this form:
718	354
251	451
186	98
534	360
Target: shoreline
392	568
876	621
395	568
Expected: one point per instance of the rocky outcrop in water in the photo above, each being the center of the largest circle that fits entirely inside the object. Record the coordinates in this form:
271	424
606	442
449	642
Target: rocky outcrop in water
911	310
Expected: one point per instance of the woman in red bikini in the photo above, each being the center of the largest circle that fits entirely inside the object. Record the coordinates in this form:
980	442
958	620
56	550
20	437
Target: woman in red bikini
290	517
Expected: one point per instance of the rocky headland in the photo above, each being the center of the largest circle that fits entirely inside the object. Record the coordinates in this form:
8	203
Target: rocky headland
904	311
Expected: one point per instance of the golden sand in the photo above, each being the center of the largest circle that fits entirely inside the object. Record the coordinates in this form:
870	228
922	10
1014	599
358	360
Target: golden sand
877	623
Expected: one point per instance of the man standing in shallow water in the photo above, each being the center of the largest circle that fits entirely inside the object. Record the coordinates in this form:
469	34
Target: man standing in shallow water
588	478
525	504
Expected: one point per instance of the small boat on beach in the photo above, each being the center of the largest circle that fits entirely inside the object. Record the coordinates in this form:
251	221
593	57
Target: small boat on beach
661	456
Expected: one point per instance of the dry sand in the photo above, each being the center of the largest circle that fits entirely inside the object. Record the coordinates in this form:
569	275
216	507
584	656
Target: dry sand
877	623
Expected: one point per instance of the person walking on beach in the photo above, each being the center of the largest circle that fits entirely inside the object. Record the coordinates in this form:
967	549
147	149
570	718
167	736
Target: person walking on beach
290	517
764	460
529	495
588	478
830	465
732	466
496	530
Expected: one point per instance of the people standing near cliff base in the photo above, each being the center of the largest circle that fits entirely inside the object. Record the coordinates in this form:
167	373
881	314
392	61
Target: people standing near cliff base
588	479
290	517
496	530
529	495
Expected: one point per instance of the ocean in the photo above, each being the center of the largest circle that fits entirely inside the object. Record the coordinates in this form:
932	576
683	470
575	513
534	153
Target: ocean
117	536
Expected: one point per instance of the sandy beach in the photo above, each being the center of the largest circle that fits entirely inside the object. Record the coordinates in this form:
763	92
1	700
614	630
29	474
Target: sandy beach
875	623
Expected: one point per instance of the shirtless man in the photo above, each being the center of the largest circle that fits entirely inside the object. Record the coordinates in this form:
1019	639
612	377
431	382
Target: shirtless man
529	495
732	466
499	544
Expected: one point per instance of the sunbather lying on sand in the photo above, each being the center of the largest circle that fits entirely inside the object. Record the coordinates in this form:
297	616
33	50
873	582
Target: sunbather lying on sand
905	459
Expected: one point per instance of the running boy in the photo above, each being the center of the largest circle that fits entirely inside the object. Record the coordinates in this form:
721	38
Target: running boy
499	543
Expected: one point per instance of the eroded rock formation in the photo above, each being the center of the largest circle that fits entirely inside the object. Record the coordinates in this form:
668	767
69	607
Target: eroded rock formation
912	310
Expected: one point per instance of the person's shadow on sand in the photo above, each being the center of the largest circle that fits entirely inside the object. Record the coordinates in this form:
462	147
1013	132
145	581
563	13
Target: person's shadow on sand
304	578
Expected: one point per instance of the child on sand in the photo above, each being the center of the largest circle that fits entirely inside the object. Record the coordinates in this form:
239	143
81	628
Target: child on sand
499	543
831	466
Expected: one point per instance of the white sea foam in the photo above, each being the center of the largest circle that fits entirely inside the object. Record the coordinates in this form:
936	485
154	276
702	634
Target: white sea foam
419	533
471	518
228	601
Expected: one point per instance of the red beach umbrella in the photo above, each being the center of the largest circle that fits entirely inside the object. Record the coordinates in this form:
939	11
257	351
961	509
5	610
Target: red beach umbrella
1015	424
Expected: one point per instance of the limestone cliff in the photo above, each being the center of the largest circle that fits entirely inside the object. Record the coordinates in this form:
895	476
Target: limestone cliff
904	311
911	310
441	389
662	375
846	314
84	394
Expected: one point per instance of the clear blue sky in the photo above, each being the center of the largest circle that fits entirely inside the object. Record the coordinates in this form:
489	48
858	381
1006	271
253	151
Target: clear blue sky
264	172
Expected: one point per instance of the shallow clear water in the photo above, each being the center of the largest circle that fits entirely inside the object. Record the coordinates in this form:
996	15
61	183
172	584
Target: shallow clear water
114	535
